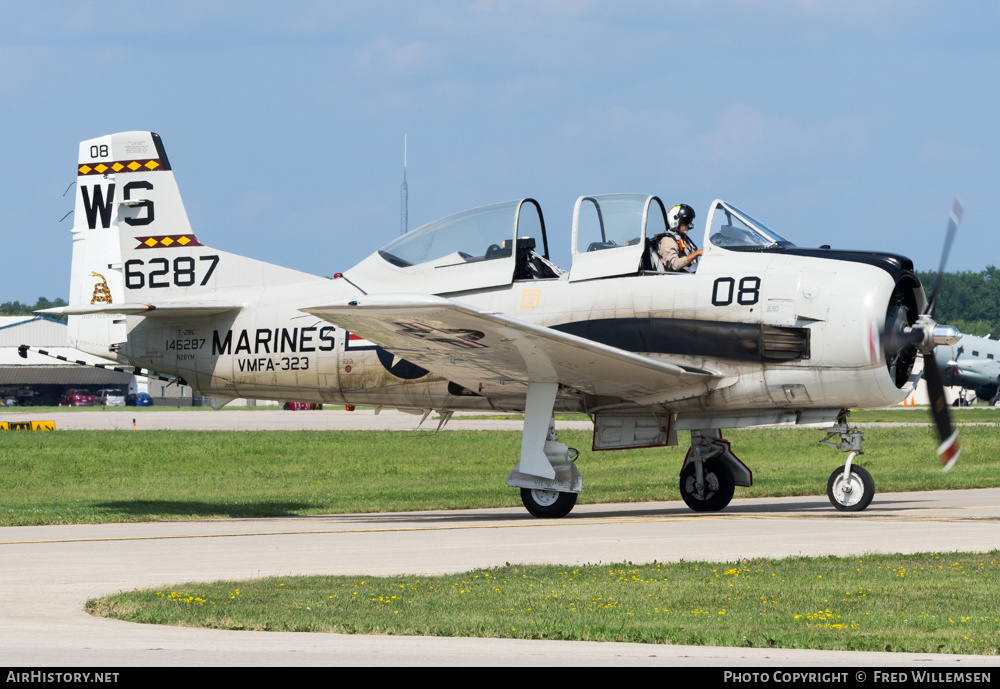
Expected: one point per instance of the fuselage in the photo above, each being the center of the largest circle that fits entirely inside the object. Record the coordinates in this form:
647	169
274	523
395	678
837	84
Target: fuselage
784	330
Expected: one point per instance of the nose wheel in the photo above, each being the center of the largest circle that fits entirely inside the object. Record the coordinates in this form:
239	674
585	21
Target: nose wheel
851	493
850	487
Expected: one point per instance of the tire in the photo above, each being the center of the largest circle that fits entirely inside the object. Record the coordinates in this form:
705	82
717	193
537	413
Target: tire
719	486
861	494
547	504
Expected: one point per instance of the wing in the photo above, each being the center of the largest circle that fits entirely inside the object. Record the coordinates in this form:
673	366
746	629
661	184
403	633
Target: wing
484	351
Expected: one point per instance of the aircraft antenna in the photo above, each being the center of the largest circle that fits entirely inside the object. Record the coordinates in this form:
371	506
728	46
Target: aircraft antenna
404	197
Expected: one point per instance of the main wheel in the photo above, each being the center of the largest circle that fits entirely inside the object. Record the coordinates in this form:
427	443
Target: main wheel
550	504
718	489
853	495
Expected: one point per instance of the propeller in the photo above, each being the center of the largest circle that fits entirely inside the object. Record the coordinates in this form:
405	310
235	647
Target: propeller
899	339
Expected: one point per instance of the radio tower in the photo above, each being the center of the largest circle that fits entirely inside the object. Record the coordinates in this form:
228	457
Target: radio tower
404	195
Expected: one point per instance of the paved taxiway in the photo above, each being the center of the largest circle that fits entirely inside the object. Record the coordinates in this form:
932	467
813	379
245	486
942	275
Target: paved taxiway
49	572
264	419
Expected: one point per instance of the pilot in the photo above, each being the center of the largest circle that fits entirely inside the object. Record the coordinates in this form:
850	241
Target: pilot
676	250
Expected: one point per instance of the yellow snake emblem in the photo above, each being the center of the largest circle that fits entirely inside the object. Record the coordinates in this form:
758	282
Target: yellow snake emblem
101	292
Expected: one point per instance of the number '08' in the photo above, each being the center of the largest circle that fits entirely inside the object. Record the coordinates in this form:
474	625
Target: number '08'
724	289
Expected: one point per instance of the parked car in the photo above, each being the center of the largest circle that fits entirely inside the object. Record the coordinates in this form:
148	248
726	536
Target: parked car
76	398
111	397
298	406
138	399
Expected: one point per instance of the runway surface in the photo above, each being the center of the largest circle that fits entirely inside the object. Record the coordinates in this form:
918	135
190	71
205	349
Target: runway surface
264	419
329	419
49	572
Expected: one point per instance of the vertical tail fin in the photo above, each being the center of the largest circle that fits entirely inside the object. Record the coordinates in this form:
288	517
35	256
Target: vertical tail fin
133	243
123	181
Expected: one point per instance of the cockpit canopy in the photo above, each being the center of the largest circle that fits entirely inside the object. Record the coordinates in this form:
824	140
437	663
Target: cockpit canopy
612	220
610	233
478	248
490	246
480	234
616	234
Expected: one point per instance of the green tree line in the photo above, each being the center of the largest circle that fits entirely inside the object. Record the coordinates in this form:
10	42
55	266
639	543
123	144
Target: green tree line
16	308
968	300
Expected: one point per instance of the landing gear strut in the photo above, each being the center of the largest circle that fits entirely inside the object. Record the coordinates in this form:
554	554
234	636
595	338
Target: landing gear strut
850	488
546	474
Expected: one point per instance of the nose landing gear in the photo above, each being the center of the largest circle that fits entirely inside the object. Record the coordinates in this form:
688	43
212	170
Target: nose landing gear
850	488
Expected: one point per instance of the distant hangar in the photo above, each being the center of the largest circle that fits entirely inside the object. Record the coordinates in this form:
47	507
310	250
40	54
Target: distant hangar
41	380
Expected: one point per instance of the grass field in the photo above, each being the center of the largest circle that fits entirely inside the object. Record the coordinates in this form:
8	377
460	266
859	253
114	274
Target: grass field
938	603
100	476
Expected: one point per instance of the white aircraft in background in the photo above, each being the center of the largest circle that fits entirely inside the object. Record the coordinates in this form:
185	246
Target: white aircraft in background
469	313
972	365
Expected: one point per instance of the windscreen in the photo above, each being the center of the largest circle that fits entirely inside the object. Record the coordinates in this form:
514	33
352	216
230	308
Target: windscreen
733	229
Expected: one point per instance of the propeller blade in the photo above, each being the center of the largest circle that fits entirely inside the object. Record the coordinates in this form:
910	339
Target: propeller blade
954	218
949	449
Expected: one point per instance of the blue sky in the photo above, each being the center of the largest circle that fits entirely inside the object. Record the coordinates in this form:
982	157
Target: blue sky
848	122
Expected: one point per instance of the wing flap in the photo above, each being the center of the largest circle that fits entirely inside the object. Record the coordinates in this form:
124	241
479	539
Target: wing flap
486	351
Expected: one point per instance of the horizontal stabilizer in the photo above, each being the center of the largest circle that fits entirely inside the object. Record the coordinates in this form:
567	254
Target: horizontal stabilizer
161	310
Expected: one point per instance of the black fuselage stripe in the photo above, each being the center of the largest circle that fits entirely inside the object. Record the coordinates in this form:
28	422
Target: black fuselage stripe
714	339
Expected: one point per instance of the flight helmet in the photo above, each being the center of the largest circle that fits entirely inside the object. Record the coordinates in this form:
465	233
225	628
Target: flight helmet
677	215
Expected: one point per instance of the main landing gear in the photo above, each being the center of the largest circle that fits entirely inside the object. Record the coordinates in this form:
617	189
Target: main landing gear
707	486
546	474
550	498
711	472
850	488
551	504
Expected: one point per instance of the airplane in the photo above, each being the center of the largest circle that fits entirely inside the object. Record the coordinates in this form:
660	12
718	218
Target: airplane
973	365
469	313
